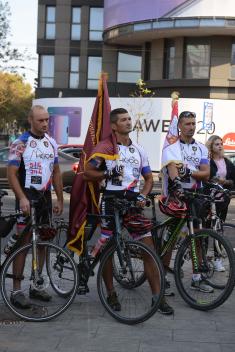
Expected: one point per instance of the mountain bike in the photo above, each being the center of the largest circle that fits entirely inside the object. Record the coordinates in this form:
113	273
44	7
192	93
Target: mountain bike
193	253
130	257
34	275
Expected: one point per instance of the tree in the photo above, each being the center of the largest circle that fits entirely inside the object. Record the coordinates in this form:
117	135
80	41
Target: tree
8	55
15	100
140	108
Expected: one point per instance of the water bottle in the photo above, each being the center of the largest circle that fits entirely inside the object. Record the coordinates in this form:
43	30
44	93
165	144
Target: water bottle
10	243
99	244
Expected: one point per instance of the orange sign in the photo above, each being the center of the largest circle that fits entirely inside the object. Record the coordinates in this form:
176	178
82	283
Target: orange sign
229	141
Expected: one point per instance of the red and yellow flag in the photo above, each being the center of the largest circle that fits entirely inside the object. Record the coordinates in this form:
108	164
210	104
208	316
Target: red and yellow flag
85	195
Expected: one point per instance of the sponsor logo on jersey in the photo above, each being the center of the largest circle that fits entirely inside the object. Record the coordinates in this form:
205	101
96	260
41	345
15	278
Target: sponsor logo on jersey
135	172
33	144
40	155
191	158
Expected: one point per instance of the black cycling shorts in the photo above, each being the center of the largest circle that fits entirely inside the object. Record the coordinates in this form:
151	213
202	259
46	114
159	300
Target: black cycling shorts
43	207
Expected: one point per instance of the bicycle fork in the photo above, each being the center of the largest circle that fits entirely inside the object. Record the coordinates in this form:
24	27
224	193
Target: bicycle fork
124	264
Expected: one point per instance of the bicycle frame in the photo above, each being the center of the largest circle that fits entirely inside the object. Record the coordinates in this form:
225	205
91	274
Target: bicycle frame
179	223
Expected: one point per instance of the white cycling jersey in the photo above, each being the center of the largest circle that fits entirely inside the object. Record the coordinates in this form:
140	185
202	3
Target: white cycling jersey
35	156
193	155
134	162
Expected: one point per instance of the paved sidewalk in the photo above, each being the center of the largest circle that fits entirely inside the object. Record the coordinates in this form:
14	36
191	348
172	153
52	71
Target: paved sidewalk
86	327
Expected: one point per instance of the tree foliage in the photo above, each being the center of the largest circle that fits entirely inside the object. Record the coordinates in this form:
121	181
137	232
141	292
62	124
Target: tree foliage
7	53
15	99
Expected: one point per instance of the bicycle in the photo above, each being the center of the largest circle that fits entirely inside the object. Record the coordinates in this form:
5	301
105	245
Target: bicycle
34	274
136	302
194	254
227	230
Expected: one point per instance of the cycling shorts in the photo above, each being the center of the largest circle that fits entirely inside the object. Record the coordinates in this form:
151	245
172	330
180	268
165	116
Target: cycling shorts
43	207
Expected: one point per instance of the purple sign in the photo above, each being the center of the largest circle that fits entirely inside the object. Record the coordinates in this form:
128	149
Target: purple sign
118	12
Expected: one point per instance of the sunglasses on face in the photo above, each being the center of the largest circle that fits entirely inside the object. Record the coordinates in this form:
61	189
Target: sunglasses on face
187	114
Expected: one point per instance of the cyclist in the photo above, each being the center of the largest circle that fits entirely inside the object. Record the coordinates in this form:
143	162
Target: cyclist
122	179
189	173
33	164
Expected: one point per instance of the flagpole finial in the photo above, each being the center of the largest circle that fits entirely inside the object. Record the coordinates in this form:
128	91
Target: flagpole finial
104	75
175	97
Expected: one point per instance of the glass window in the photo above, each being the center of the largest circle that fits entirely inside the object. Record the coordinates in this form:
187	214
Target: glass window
94	71
76	23
47	71
96	23
74	72
129	67
169	59
50	22
197	59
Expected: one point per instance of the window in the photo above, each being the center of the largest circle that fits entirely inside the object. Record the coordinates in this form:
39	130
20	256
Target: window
197	59
129	67
47	71
76	23
233	61
94	70
169	59
96	23
74	72
50	22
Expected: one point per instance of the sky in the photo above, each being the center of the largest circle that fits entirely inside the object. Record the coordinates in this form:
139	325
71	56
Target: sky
23	23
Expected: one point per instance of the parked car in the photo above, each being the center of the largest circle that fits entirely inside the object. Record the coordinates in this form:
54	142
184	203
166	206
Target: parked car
66	162
76	152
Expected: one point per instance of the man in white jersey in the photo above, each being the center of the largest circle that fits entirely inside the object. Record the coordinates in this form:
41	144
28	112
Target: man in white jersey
122	179
190	174
33	163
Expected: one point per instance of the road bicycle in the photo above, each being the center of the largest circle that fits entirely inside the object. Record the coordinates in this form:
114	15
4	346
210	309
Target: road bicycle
129	257
194	253
34	274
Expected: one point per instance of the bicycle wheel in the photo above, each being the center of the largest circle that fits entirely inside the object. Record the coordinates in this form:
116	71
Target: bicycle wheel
228	232
59	270
124	277
37	310
137	304
62	231
219	283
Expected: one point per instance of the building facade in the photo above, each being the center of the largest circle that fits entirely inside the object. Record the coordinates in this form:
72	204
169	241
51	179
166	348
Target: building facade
181	45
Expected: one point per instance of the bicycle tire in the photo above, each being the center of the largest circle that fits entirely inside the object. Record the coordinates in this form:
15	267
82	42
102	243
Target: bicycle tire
122	278
221	282
136	303
38	310
228	232
62	265
61	236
